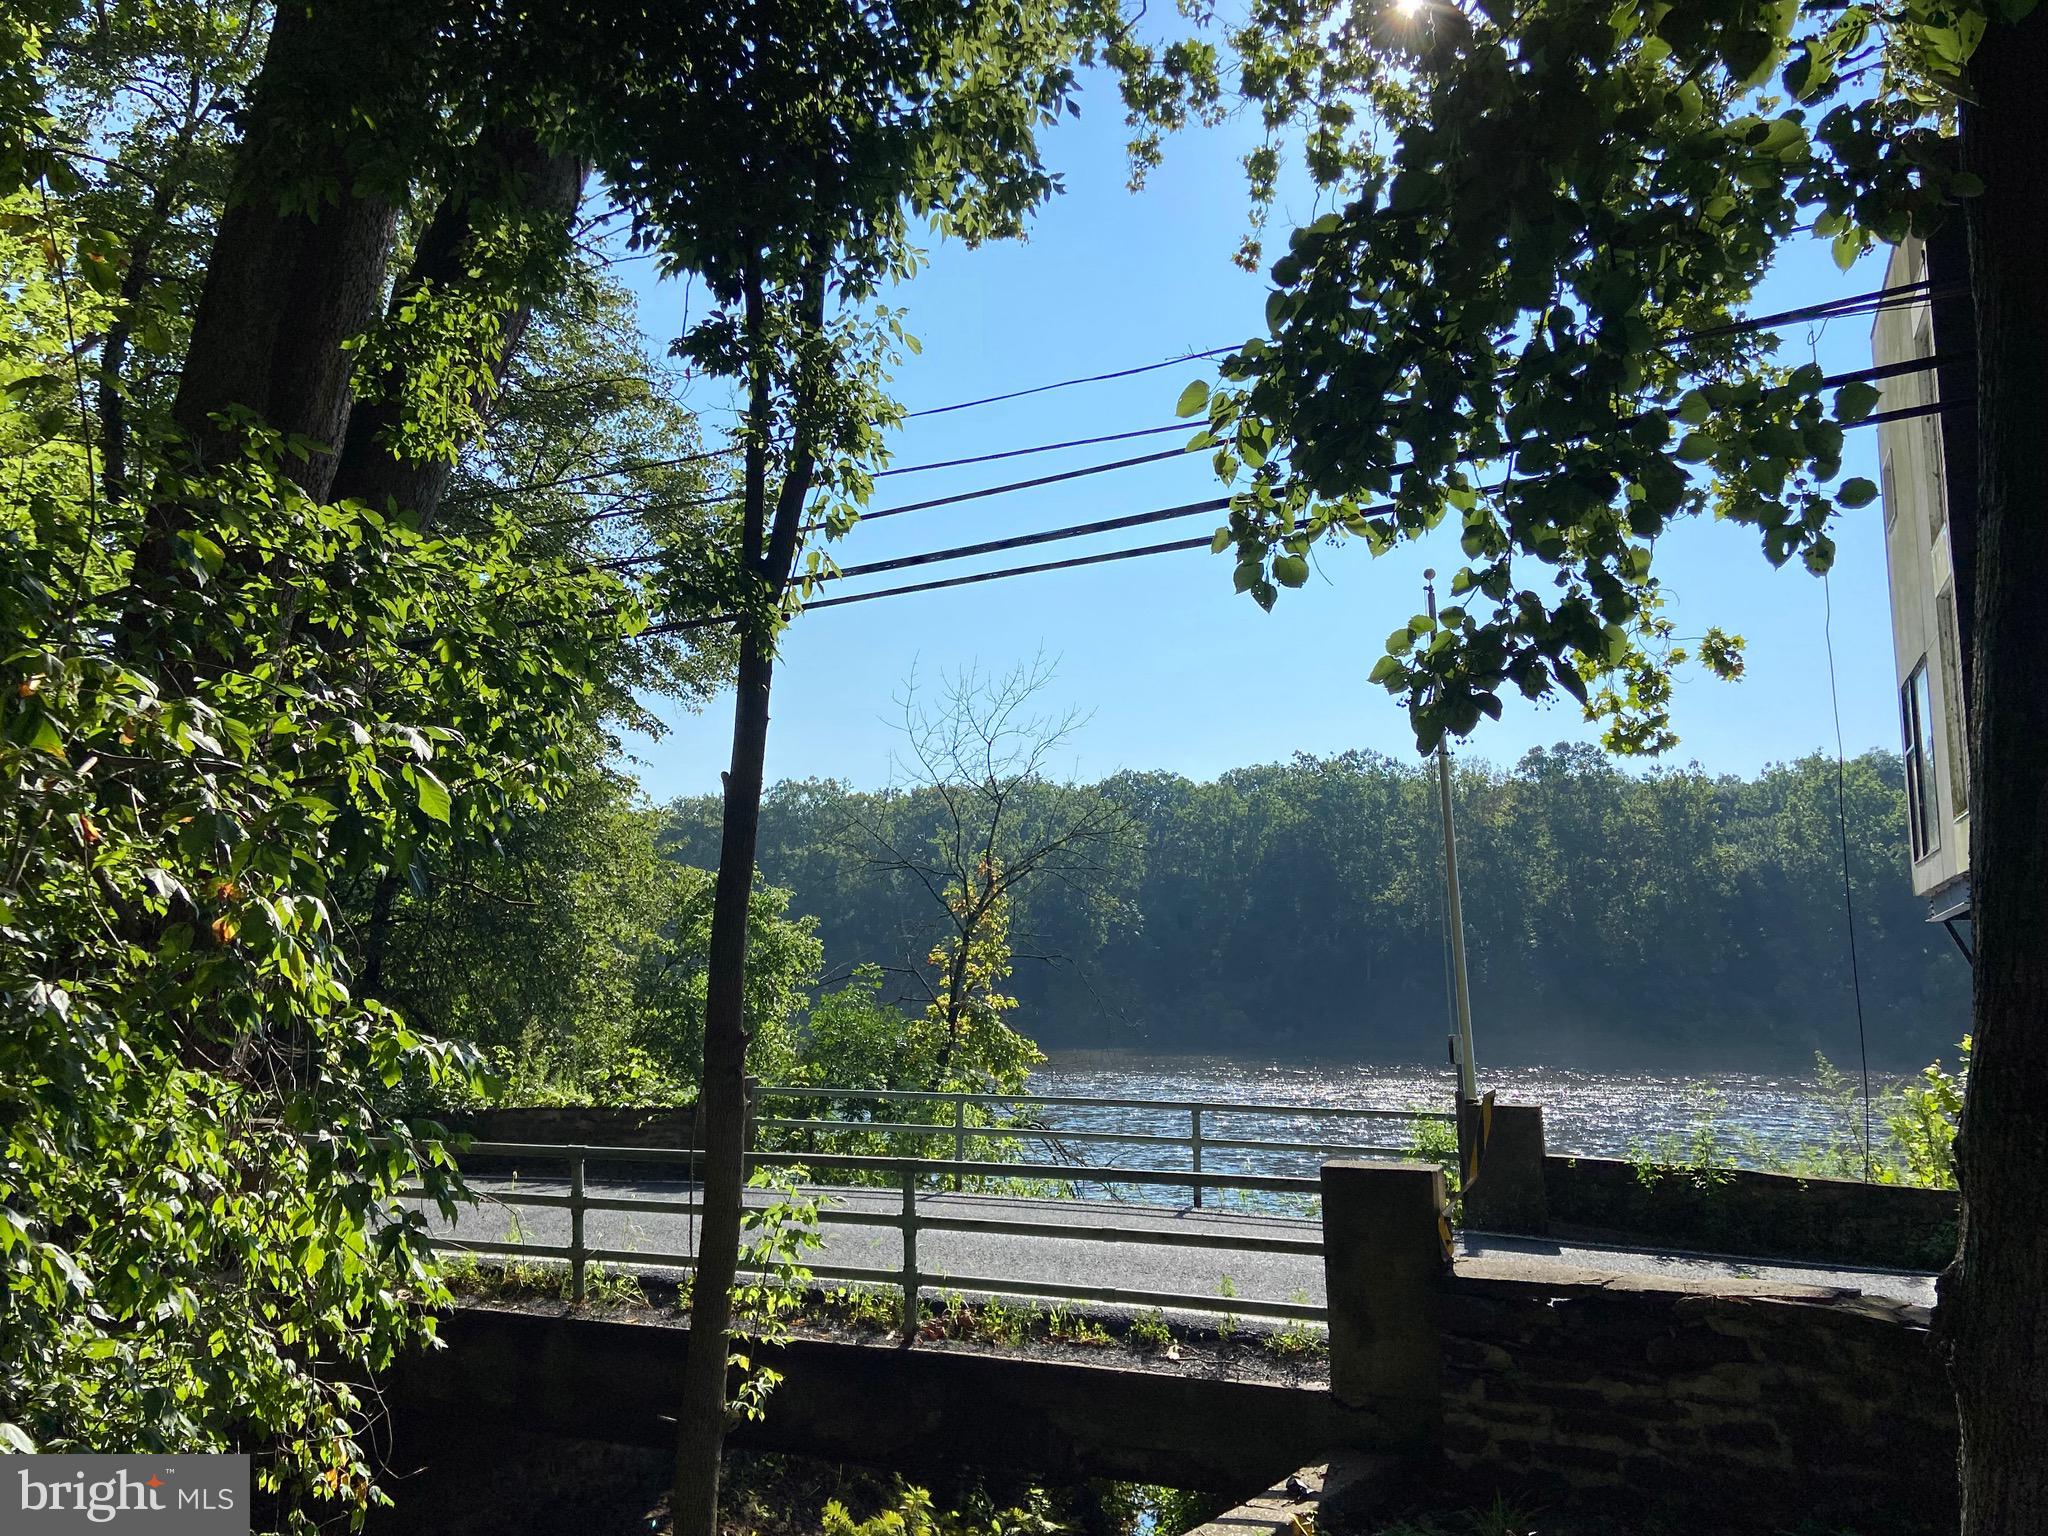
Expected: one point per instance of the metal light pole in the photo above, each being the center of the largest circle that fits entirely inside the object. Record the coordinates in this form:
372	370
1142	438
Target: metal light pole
1454	907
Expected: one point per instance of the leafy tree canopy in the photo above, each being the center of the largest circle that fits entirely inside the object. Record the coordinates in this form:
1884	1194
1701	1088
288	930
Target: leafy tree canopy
1521	318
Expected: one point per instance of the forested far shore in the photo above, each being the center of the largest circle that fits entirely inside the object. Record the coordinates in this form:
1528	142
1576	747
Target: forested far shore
1614	919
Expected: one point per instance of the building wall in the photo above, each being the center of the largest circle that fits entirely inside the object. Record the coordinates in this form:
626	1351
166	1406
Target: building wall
1920	563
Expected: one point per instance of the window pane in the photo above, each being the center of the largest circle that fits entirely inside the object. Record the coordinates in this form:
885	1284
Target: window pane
1956	754
1920	761
1937	473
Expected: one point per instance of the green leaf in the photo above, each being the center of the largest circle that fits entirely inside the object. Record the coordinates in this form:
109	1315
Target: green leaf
432	795
1290	570
1856	492
1192	399
205	555
1855	401
1693	408
45	738
1696	447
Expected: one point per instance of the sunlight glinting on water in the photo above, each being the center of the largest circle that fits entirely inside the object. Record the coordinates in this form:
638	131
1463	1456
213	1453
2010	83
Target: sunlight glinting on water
1587	1114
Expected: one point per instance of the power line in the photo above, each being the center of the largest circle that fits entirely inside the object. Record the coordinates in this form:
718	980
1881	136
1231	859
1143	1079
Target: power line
1831	381
678	626
1013	453
1842	824
947	501
1026	540
1203	542
1087	378
880	474
1027	485
1876	300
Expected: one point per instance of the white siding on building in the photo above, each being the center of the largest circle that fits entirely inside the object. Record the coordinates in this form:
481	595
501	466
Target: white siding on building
1920	566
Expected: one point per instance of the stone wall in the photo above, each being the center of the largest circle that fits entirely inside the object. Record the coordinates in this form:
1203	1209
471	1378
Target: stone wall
924	1412
1758	1214
1731	1410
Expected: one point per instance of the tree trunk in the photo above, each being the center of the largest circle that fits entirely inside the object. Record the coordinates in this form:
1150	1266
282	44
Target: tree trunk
163	205
769	550
1994	1312
700	1425
522	184
298	263
382	900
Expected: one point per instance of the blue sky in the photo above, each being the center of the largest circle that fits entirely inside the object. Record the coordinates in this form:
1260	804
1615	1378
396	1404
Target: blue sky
1175	670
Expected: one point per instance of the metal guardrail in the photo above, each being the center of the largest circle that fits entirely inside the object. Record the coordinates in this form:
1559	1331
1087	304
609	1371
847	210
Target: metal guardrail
909	1220
1196	1141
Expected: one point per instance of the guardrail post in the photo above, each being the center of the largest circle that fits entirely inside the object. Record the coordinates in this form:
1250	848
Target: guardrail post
1195	1148
910	1276
576	1229
1385	1255
959	1137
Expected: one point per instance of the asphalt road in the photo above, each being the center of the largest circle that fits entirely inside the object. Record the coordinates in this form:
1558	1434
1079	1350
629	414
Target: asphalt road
1133	1264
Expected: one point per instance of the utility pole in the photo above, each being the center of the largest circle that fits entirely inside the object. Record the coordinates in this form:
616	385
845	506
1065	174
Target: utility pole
1454	907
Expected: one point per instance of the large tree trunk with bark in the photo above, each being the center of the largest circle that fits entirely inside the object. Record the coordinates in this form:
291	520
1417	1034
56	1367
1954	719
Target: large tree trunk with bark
518	183
299	261
1994	1311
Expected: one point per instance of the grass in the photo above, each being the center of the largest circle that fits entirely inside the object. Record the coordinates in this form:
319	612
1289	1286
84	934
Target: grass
512	1279
993	1322
1296	1341
862	1308
1150	1333
1070	1327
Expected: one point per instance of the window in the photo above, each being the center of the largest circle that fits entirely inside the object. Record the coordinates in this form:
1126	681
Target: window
1937	474
1954	729
1930	432
1915	712
1891	490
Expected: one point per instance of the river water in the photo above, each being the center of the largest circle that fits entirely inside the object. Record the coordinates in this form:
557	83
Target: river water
1756	1118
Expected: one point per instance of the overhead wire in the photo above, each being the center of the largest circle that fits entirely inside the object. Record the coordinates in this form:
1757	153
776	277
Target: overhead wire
1873	301
880	474
1083	530
975	495
1848	893
1831	381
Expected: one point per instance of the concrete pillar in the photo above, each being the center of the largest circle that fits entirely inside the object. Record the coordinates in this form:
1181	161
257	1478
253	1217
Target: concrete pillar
1505	1143
1385	1255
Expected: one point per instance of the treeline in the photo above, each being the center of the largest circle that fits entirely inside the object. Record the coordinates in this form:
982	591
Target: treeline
1672	918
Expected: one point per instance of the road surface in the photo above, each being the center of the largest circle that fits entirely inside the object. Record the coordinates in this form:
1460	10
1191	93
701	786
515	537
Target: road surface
1132	1265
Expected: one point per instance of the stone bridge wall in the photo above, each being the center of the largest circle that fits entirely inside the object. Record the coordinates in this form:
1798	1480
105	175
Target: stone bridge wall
1522	1190
1729	1411
1764	1214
